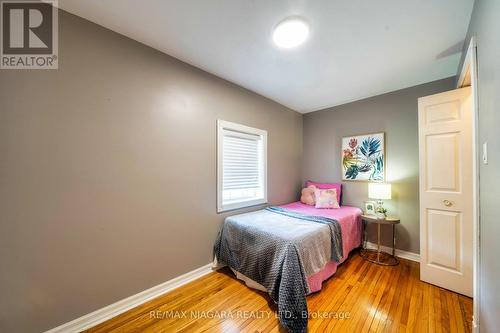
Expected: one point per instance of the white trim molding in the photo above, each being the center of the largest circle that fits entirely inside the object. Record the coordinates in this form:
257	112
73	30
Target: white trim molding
468	76
475	326
99	316
469	66
399	253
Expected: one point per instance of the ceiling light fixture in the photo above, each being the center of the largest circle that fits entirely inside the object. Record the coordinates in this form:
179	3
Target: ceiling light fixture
291	32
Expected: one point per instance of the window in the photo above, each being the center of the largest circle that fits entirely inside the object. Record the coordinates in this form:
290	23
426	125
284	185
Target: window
241	166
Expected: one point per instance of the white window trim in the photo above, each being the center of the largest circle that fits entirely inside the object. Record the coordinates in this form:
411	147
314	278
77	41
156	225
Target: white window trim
221	124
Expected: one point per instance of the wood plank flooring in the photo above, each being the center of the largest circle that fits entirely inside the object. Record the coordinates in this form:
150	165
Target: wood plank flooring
360	297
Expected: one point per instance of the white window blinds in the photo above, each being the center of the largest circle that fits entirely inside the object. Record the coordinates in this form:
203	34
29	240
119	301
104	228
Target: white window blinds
242	166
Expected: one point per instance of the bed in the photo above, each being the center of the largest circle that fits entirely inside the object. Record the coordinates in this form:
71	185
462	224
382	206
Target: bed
288	251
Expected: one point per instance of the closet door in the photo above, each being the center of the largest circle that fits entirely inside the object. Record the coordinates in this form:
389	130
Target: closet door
446	193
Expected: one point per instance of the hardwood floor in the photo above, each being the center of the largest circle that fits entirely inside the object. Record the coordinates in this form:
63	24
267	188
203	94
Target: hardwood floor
360	297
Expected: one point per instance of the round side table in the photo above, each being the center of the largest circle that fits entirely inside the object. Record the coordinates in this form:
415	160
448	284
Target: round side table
377	256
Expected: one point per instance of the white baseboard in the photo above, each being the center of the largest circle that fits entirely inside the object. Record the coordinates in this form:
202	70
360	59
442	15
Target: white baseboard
399	253
99	316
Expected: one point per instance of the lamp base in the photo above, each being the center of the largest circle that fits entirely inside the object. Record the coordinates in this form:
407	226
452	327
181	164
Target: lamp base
380	211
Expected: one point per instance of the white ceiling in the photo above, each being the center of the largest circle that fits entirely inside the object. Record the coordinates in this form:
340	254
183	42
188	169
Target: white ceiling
357	48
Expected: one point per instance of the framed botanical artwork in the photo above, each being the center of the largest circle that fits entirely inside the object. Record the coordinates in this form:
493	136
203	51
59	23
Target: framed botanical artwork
369	207
363	157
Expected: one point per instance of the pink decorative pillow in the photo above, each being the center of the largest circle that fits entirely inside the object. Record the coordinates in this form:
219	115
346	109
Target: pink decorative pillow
326	186
326	198
307	196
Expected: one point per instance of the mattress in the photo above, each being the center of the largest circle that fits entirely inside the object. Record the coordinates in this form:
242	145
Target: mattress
349	219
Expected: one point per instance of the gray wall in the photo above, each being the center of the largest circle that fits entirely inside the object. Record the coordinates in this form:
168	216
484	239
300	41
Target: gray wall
108	173
485	25
396	114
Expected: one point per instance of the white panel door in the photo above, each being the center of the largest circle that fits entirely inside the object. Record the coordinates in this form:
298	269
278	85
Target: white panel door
446	193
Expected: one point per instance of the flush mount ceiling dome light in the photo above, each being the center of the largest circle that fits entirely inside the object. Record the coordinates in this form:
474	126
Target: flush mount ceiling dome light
291	32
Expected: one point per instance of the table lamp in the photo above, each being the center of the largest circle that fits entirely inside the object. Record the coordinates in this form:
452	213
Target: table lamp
380	191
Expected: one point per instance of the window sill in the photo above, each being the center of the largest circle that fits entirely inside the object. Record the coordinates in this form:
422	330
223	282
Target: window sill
241	204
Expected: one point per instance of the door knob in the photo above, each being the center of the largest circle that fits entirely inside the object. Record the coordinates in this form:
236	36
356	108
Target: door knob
447	203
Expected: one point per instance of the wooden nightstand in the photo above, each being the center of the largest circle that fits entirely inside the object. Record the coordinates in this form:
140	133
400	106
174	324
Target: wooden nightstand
377	256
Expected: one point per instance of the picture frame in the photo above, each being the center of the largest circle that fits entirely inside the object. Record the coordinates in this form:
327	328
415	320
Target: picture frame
370	207
363	157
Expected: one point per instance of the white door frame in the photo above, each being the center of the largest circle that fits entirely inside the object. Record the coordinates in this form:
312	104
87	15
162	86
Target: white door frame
468	76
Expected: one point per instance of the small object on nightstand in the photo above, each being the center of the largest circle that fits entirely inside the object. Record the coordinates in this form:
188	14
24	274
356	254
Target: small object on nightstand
370	207
377	256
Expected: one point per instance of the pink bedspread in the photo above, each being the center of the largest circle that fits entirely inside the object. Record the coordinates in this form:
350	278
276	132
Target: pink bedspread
350	222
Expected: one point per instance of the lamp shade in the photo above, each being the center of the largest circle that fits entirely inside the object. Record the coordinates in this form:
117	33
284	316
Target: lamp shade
379	191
